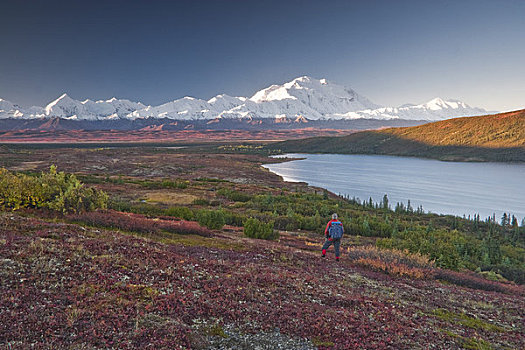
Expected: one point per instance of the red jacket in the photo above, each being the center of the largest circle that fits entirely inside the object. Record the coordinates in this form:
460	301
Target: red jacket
328	226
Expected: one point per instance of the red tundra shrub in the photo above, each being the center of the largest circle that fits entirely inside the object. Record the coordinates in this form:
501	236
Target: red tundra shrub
394	262
471	280
138	223
118	220
392	268
390	256
185	227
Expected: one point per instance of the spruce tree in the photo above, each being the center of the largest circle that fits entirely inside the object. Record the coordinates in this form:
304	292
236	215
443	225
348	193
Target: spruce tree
385	202
504	220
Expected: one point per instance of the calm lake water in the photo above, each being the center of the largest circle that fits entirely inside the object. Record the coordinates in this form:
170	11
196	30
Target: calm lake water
440	187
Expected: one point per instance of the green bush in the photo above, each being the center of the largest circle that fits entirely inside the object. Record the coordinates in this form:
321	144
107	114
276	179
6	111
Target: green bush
54	190
119	204
201	201
153	185
442	246
232	218
183	213
174	184
212	219
235	196
254	228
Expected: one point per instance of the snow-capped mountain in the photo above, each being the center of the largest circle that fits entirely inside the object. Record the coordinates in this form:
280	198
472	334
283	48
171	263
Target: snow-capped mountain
181	109
434	110
10	110
68	108
304	98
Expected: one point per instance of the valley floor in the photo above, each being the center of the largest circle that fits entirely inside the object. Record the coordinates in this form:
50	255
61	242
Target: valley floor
167	136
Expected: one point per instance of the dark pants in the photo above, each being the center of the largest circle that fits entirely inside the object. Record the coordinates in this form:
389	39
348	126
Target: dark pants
335	242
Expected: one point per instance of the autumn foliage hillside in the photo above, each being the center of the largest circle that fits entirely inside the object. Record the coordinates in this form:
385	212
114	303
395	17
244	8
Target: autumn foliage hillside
499	137
492	131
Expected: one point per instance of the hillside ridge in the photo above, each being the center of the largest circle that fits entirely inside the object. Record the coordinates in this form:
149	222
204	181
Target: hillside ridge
497	137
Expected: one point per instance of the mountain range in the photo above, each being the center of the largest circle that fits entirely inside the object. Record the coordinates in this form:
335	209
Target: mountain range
300	100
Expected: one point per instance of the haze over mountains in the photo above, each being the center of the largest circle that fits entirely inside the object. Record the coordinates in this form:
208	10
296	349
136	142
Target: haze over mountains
299	100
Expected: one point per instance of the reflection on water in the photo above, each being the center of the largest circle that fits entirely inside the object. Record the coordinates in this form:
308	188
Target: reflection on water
440	187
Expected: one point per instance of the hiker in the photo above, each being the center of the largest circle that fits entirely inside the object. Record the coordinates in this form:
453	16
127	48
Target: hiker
333	232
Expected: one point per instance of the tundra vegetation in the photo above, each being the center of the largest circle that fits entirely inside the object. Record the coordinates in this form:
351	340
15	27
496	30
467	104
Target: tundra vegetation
227	252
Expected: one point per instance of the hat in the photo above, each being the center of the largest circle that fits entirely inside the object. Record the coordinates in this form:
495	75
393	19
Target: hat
334	216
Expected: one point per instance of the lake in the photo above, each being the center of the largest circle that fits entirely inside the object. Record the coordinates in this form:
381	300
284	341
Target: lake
440	187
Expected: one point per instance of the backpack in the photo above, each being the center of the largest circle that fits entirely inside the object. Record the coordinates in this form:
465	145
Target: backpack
336	229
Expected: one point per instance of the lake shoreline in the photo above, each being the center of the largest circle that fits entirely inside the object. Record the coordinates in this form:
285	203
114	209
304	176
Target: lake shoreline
424	191
445	158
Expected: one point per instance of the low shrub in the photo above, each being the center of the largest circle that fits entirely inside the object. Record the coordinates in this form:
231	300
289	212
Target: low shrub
201	201
390	256
393	262
174	184
235	196
53	190
137	223
166	183
117	220
207	179
184	213
392	268
125	205
119	204
512	273
254	228
493	276
471	280
185	228
212	219
233	218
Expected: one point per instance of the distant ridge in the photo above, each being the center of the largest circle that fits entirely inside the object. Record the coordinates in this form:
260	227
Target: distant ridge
498	137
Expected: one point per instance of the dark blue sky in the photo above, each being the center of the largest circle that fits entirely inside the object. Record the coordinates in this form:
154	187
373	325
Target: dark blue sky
393	52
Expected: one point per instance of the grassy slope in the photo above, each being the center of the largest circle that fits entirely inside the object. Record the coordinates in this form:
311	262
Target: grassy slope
68	286
499	137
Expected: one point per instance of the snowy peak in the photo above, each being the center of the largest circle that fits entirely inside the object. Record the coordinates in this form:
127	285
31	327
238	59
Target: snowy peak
272	93
280	92
66	107
11	110
433	110
225	102
304	96
181	109
318	94
5	106
438	103
63	99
